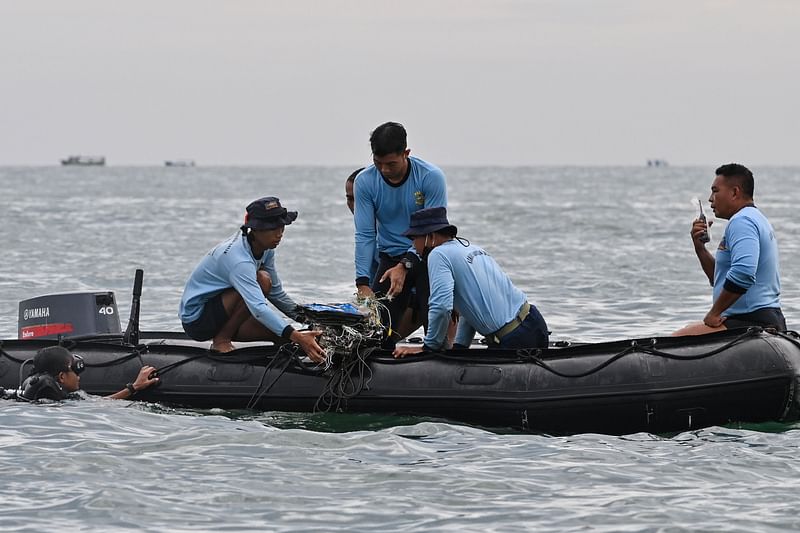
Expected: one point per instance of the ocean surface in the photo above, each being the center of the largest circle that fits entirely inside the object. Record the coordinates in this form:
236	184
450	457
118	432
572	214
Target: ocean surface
604	253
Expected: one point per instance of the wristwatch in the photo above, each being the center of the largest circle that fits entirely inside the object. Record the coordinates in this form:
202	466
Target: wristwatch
406	262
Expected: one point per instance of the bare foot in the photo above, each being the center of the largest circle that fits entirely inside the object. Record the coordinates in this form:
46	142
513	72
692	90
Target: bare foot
222	347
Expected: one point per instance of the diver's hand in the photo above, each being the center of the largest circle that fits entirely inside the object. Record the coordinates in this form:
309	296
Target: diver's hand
397	277
146	378
307	340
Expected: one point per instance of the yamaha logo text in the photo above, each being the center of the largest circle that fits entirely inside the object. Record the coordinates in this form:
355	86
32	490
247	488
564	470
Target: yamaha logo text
36	312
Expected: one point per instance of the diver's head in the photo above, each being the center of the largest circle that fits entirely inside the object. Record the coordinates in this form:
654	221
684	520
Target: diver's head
63	366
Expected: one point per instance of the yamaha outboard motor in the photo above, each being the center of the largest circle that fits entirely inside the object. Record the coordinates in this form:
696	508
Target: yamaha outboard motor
68	315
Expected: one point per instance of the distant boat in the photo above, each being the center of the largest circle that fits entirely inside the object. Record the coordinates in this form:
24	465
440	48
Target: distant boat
84	160
179	163
657	163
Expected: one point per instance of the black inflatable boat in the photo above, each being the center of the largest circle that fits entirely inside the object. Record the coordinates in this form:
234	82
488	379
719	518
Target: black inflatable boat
655	385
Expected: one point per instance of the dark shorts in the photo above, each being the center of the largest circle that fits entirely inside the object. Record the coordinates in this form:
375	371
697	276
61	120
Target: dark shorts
414	295
531	333
768	317
210	322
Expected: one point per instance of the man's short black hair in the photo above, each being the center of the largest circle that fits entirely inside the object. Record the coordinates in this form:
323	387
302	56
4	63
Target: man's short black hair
51	360
739	175
388	138
352	177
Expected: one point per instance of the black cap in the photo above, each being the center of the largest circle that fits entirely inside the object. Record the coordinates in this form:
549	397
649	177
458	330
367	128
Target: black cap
267	213
428	220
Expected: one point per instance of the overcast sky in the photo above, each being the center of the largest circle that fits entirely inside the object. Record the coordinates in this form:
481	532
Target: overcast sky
507	82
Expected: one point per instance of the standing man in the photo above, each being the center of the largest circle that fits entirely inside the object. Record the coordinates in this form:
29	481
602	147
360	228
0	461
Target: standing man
224	298
467	279
349	186
745	273
386	194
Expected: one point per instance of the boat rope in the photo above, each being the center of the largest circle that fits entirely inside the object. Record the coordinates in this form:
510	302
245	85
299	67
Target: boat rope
11	357
133	355
790	335
288	353
533	355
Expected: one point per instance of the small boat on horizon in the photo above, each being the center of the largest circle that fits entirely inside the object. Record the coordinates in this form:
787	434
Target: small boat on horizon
179	163
84	160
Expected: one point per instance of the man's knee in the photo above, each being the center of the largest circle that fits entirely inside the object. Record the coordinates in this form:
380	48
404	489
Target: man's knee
264	281
231	301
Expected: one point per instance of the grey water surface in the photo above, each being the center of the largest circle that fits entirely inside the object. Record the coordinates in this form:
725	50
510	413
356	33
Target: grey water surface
604	252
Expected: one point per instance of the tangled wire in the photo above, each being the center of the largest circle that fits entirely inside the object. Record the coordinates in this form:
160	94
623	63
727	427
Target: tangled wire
349	335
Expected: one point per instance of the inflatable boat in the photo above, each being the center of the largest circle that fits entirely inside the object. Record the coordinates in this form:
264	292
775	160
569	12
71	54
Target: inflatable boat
656	385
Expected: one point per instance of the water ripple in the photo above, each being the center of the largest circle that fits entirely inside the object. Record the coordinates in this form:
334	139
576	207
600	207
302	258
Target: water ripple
611	263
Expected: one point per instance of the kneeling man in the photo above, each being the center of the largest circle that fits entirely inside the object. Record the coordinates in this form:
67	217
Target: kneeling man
224	298
467	279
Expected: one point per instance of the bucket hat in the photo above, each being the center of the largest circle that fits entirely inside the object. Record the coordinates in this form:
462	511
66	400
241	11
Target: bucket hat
428	220
267	213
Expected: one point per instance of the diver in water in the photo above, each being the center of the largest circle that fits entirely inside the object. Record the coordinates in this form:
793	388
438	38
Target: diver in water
56	376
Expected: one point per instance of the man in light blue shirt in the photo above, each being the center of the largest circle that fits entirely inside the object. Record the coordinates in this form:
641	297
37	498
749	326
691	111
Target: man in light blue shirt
224	298
386	194
465	278
745	273
349	187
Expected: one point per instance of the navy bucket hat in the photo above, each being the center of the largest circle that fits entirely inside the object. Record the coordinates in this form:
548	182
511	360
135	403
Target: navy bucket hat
267	213
428	220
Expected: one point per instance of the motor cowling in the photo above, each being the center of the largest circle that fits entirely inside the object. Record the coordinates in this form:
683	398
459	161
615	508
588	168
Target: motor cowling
68	315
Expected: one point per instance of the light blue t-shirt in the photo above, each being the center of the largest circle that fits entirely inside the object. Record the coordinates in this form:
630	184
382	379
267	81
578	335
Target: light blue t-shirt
383	211
468	279
748	258
231	264
376	258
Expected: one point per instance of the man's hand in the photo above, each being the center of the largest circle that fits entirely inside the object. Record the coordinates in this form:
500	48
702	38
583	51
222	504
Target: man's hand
307	340
713	320
397	277
699	230
364	292
144	379
403	351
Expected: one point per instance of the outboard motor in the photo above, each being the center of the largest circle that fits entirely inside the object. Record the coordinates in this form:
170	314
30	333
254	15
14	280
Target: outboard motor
68	315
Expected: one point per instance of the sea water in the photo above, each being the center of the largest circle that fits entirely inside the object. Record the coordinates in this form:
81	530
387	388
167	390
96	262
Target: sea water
603	252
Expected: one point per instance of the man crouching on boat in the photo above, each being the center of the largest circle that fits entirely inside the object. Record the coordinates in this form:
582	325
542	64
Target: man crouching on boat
745	273
466	278
224	297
